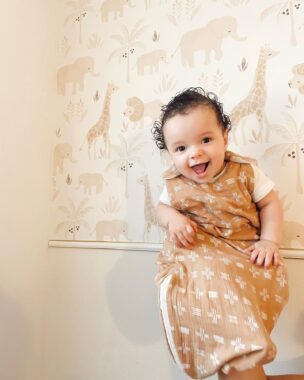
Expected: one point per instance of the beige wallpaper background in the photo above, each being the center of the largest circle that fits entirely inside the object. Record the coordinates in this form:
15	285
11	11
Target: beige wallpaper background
120	60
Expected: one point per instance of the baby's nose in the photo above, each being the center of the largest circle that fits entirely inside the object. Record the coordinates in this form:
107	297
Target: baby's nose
196	151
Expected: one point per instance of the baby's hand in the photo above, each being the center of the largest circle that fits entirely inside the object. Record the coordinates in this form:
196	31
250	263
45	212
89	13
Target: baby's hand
182	231
264	253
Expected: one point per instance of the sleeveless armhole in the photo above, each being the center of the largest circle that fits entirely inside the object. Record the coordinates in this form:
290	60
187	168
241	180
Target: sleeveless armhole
262	184
164	196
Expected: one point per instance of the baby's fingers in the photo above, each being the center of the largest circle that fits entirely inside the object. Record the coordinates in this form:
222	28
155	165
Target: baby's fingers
250	249
183	240
258	257
277	259
193	225
253	253
269	260
190	230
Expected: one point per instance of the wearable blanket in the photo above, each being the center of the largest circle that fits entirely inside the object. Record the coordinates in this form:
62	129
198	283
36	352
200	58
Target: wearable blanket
217	308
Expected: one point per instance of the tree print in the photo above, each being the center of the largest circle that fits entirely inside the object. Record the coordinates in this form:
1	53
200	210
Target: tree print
74	215
127	156
183	11
291	149
80	9
284	9
129	42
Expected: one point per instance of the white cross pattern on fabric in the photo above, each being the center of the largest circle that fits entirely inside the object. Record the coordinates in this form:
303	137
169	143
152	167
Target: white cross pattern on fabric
282	280
225	276
242	177
208	258
184	348
198	293
241	282
246	301
180	258
214	316
236	197
200	352
201	333
207	272
240	265
219	339
226	261
238	345
201	369
264	294
180	309
214	359
230	297
193	256
267	274
278	298
263	315
184	330
254	272
232	319
210	198
196	311
230	181
218	186
251	323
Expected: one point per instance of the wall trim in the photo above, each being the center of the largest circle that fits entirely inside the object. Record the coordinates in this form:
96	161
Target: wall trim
141	246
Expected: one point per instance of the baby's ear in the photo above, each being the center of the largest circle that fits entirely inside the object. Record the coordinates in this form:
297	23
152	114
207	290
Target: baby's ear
226	137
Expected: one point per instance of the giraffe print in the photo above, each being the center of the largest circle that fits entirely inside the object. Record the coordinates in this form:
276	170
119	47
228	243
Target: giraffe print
149	209
254	102
101	128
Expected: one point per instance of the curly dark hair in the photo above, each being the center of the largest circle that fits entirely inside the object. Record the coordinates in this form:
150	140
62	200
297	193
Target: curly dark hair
181	103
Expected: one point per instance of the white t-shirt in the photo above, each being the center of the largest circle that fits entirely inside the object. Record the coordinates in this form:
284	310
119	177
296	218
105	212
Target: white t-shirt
262	186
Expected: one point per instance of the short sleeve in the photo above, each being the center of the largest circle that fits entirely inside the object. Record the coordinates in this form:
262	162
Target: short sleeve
262	184
164	197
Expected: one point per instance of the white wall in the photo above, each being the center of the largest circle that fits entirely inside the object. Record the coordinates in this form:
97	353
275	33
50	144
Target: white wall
25	162
103	321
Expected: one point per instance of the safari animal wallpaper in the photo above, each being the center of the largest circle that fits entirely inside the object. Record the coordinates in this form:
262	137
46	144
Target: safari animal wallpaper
120	60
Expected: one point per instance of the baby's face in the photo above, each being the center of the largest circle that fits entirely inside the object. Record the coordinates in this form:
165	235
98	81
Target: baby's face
196	143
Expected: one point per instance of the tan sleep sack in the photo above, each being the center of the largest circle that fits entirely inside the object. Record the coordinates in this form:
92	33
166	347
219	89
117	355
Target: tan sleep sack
217	308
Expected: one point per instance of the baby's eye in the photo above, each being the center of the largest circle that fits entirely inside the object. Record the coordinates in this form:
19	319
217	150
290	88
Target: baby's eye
206	140
180	148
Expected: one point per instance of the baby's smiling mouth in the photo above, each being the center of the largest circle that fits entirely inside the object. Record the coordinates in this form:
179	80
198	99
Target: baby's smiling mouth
200	168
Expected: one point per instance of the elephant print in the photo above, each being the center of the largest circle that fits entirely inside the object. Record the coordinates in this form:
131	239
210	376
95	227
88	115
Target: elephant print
207	39
151	61
89	181
74	74
62	152
115	7
112	230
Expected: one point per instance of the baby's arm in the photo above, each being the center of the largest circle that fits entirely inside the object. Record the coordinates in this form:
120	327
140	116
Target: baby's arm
265	252
181	228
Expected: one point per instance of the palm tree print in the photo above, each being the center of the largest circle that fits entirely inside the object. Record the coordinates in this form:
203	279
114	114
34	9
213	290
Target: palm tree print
292	148
285	9
128	41
80	9
127	156
74	218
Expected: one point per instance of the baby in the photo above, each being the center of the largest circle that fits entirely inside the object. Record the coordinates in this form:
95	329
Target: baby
222	282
